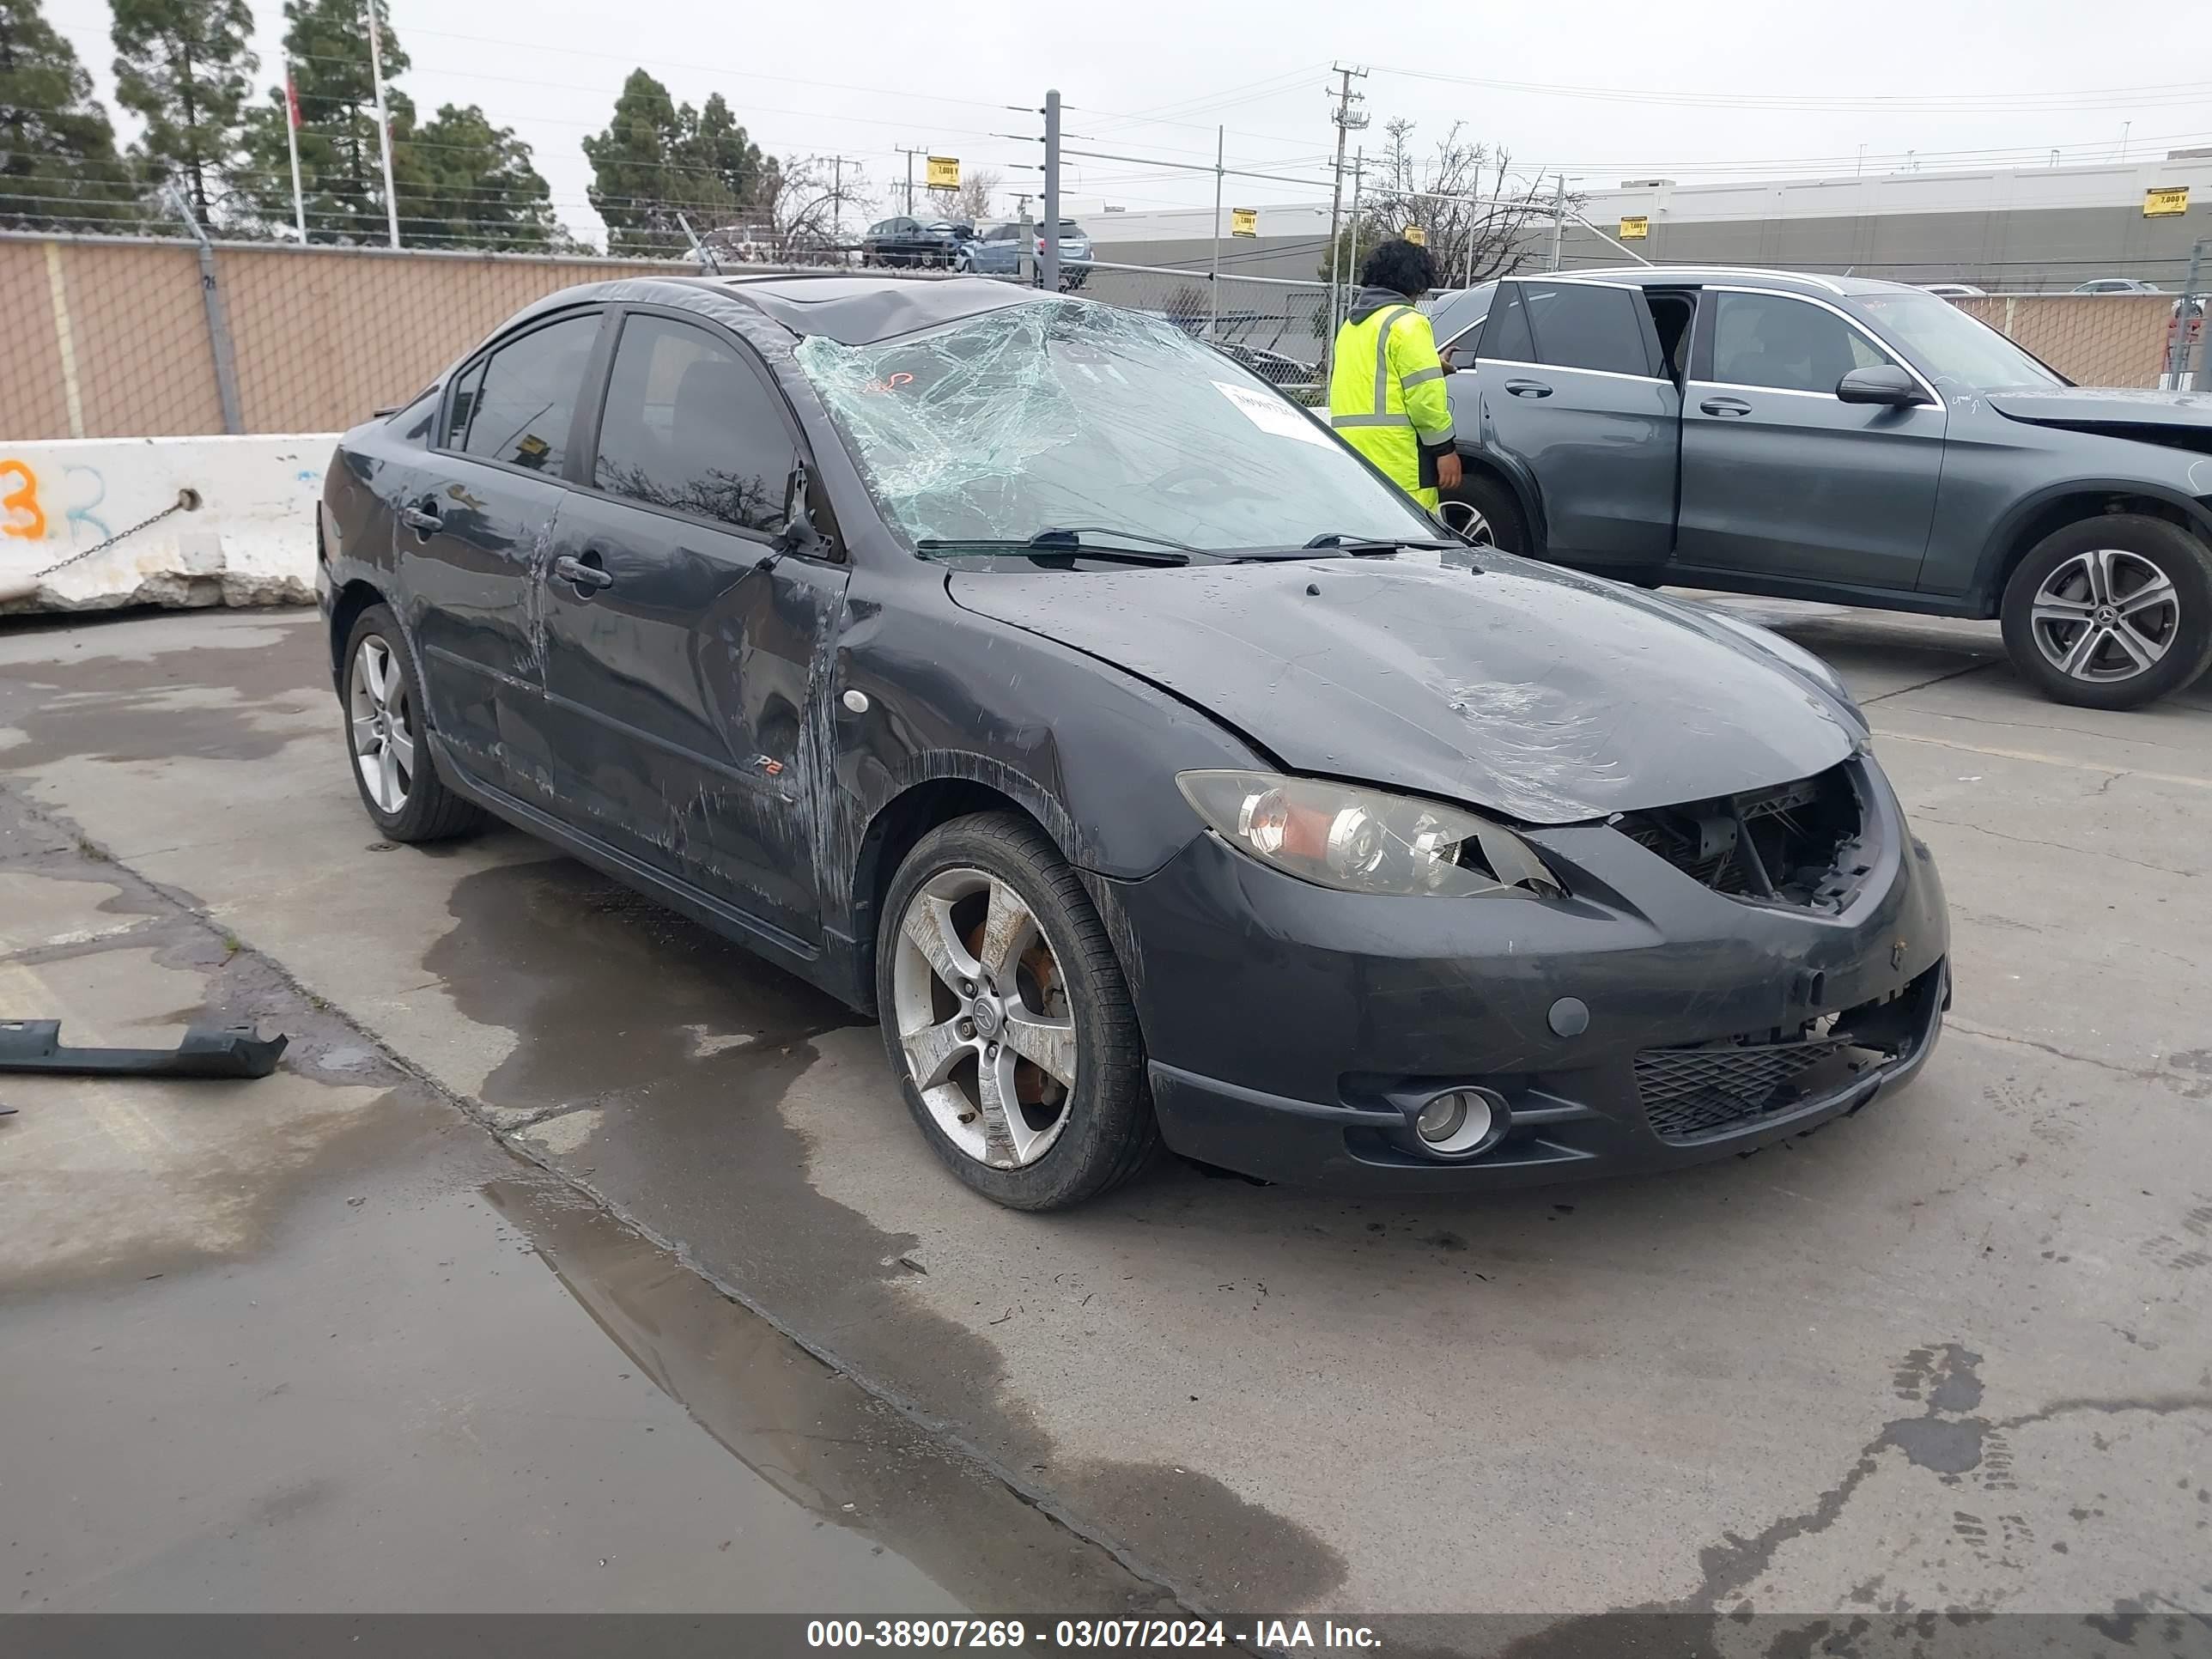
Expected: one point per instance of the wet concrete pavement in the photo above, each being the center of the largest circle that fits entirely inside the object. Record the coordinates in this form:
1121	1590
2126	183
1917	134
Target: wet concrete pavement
318	1343
1949	1354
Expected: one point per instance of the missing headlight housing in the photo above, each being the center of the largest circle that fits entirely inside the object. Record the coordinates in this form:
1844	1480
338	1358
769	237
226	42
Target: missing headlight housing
1358	840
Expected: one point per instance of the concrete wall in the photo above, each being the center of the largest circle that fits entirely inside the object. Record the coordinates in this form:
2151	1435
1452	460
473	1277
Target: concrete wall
249	540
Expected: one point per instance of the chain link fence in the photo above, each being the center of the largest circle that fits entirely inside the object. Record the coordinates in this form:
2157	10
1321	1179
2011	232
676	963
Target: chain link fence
122	337
2105	339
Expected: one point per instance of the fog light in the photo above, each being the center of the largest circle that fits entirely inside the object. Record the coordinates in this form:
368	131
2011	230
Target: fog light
1458	1120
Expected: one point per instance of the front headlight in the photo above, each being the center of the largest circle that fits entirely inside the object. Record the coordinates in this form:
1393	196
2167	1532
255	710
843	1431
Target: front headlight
1365	840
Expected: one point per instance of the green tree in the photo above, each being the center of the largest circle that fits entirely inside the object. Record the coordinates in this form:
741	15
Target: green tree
658	159
464	181
184	68
341	173
58	168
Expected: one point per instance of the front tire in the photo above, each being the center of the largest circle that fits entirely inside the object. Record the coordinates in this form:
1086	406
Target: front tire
1007	1019
388	740
2112	613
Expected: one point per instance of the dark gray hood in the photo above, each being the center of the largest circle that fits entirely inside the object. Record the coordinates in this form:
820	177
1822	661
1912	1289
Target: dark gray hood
1541	695
2094	407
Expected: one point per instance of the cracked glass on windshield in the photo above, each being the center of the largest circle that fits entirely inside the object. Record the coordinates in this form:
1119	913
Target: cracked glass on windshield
1034	417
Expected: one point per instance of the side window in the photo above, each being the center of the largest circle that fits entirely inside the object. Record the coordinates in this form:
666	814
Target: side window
1578	326
689	426
464	405
1506	336
525	395
1774	340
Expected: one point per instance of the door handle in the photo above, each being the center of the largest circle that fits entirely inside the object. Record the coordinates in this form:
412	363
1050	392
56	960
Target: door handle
1528	388
1725	406
586	575
419	520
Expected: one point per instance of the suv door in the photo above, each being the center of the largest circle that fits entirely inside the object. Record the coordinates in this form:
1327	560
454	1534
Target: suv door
685	656
472	533
1780	476
1569	384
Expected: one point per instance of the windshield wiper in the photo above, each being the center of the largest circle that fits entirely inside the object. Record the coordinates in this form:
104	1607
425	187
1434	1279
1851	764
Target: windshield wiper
1359	546
1334	543
1064	541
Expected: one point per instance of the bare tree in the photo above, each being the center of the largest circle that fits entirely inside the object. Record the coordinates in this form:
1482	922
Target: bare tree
1481	218
971	203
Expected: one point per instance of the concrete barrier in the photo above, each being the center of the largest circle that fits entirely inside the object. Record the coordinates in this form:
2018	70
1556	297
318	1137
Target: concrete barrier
237	525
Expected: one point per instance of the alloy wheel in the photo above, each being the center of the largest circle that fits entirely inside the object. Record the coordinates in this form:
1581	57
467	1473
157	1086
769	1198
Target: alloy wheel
383	723
982	1017
1468	521
2106	615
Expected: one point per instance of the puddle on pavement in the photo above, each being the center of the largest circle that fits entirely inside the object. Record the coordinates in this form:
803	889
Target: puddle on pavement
812	1434
608	992
168	705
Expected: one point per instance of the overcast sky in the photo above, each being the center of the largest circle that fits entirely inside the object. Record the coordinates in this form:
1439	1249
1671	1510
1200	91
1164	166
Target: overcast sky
1703	88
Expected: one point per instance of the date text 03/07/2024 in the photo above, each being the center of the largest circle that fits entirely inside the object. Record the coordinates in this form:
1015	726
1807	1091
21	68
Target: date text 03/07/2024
949	1635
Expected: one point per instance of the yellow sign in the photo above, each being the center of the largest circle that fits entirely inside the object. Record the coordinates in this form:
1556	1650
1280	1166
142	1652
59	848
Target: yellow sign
944	173
2165	204
1635	227
1243	221
1417	236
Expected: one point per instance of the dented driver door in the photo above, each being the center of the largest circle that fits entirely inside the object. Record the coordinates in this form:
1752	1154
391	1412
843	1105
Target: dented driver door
683	651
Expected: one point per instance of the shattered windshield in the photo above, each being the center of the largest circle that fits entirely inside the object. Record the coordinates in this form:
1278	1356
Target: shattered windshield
1064	413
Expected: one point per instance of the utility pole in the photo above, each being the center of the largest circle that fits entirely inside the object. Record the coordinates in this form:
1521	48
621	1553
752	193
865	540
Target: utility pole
1051	190
910	155
1347	120
383	122
1220	156
1352	230
1558	217
838	166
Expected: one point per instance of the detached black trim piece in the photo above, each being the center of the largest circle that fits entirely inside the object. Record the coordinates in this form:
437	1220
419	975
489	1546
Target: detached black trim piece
35	1045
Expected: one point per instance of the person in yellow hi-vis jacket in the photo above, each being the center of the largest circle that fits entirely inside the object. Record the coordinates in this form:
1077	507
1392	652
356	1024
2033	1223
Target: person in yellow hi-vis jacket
1385	393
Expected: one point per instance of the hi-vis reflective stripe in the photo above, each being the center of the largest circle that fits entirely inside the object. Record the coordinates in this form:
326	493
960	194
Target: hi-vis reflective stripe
1401	419
1423	376
1389	320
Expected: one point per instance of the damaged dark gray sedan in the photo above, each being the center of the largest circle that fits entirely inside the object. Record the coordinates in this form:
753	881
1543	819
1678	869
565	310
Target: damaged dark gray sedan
1024	672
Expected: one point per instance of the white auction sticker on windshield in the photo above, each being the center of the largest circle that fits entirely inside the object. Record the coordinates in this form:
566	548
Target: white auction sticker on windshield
1274	415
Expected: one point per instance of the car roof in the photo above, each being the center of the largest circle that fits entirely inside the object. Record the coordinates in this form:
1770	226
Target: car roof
1786	282
846	307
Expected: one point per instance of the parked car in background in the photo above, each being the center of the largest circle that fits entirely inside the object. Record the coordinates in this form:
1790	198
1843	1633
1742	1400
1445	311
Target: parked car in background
735	590
998	253
1952	290
1844	439
2117	285
915	242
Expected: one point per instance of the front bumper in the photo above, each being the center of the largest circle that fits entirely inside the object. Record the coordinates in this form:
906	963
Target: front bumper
1293	1030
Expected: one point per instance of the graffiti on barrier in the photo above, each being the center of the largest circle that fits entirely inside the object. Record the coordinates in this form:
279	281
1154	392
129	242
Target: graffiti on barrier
23	514
20	516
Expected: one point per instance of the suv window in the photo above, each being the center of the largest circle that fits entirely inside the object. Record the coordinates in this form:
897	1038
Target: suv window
1505	336
689	426
1578	326
1003	234
516	405
1775	340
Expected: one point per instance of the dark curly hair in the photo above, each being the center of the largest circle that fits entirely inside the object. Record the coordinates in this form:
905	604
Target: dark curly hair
1401	266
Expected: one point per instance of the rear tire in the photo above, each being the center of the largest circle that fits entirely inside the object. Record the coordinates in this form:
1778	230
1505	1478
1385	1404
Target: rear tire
1483	507
2112	613
1059	975
388	740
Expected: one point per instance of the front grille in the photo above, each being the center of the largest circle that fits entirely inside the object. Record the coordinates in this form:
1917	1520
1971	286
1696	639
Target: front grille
1796	843
1690	1093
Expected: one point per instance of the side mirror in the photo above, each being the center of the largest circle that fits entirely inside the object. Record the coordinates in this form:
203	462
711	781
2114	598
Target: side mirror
799	533
1885	384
